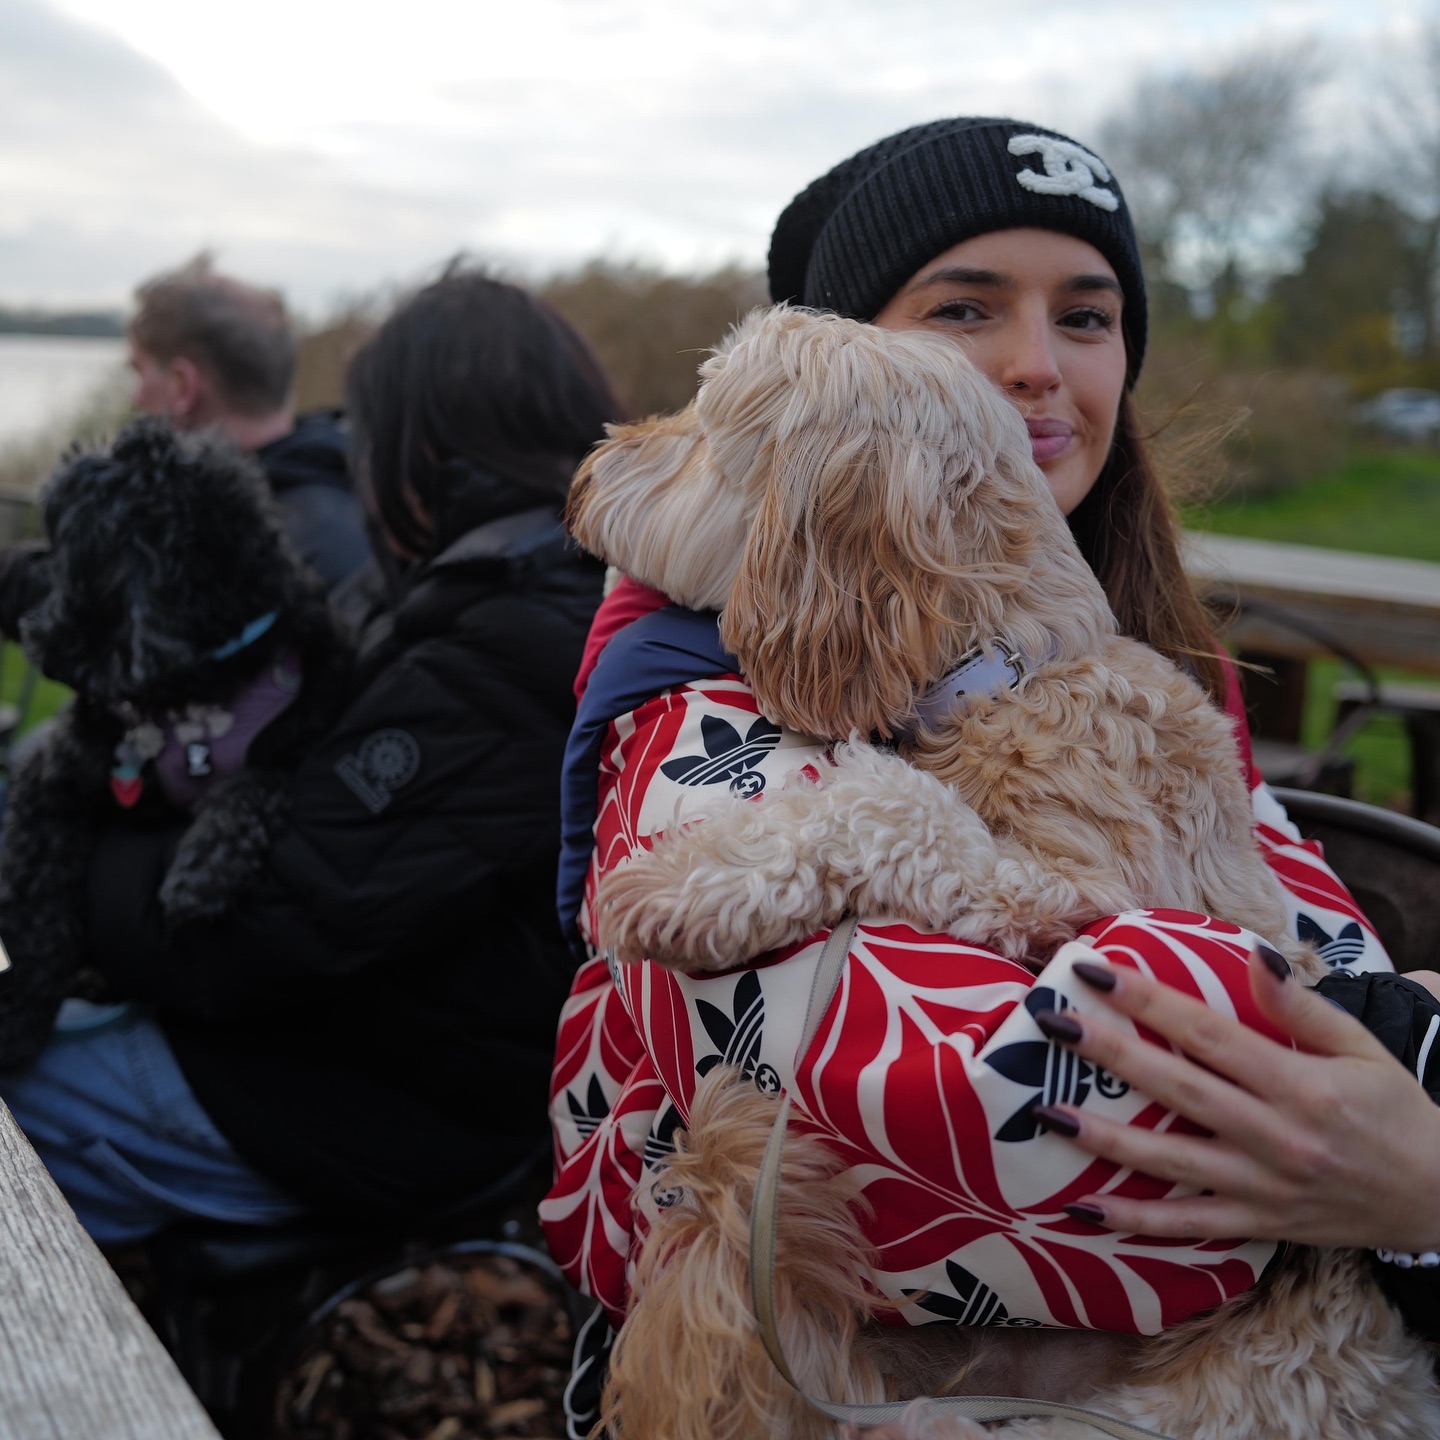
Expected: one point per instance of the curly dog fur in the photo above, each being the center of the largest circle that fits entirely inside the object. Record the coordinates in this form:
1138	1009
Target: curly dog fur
894	523
163	550
863	509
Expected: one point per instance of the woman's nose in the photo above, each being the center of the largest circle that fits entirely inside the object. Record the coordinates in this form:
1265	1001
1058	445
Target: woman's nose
1029	366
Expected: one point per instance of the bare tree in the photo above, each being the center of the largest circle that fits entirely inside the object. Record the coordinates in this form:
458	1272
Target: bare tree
1404	163
1210	159
651	330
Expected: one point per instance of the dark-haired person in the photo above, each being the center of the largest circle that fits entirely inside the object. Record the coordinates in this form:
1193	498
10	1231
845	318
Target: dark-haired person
212	352
1016	243
369	1031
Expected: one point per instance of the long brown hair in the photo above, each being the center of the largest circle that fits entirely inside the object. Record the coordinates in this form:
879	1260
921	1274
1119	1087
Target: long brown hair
1127	531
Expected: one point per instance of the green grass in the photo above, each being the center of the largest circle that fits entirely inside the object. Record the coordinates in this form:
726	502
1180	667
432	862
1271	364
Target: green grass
45	696
1381	750
1383	502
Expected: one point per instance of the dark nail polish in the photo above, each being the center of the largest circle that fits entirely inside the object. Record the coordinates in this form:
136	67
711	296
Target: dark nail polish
1275	962
1090	1214
1056	1120
1098	977
1055	1026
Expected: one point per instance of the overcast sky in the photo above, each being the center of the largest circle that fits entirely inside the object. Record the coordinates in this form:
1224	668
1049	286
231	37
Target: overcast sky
333	148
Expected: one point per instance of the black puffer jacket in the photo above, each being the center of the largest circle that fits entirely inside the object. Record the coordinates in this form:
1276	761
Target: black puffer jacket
374	1027
309	475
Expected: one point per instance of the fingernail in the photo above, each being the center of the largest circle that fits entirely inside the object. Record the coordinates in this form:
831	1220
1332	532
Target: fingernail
1055	1026
1056	1120
1098	977
1275	962
1090	1214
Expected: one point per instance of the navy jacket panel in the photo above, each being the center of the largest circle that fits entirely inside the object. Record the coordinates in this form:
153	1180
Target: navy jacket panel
655	653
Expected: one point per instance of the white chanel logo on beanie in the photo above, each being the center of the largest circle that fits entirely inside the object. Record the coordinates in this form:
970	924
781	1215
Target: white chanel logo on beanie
1070	169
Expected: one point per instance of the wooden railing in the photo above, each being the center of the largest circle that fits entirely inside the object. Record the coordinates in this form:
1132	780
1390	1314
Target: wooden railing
1385	610
77	1361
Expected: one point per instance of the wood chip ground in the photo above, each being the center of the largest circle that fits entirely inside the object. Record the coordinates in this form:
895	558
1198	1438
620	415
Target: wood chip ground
475	1348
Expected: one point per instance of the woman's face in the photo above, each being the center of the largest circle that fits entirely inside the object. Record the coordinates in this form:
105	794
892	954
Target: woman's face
1039	313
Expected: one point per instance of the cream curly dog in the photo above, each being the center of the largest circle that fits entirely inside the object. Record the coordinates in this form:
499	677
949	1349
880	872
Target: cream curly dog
896	525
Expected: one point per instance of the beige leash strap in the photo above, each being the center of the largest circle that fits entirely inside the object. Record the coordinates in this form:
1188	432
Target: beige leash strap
762	1260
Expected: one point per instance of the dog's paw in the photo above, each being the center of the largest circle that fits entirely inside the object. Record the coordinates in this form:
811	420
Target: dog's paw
639	912
1031	906
689	906
195	892
993	925
1304	960
223	852
650	908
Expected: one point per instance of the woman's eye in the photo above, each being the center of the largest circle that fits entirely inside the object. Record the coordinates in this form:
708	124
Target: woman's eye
958	310
1089	317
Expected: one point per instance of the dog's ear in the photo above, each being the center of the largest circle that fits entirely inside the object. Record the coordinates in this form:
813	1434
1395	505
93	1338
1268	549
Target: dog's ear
649	501
834	623
669	501
904	523
859	583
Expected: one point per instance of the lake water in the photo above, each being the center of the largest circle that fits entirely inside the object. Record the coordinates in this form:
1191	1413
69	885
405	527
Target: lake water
45	378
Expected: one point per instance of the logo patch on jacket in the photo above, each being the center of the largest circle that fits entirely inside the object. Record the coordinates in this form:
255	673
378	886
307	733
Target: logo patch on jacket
1345	947
387	760
1058	1075
727	757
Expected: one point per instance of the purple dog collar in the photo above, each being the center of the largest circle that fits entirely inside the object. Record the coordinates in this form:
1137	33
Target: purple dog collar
978	673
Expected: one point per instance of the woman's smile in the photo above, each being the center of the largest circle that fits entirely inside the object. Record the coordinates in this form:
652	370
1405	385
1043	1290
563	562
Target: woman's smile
1049	439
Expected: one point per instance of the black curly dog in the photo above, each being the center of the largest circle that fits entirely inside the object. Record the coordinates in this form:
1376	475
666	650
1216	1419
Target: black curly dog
171	585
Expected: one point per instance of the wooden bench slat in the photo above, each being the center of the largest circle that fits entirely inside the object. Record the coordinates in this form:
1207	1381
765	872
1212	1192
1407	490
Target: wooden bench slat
1384	609
1308	569
77	1360
1423	699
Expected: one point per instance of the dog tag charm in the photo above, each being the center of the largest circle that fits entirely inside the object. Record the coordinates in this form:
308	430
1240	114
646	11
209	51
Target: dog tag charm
126	783
126	788
197	759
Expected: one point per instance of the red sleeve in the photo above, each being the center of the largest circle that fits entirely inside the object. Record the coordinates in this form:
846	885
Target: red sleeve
1235	709
627	602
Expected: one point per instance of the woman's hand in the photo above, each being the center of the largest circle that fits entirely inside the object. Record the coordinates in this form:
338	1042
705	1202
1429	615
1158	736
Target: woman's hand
1337	1146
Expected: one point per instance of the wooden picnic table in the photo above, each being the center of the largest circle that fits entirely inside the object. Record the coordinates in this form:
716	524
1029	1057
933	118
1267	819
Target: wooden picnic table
77	1360
1386	610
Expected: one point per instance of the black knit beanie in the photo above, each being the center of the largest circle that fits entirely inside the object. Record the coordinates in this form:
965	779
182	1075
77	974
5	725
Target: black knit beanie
849	241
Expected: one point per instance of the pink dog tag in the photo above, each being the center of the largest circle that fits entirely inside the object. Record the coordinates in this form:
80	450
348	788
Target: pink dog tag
126	789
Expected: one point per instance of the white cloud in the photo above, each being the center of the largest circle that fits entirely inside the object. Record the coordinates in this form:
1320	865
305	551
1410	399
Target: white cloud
329	147
110	170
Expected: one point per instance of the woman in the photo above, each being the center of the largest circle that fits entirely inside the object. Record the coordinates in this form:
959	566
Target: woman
1017	243
1312	1165
368	1032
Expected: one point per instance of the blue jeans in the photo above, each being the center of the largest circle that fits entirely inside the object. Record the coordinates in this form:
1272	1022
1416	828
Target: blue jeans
109	1112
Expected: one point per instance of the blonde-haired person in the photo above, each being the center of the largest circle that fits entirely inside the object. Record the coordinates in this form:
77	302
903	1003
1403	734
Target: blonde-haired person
1015	242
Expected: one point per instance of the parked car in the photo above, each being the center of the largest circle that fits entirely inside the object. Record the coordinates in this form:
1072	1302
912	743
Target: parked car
1403	414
